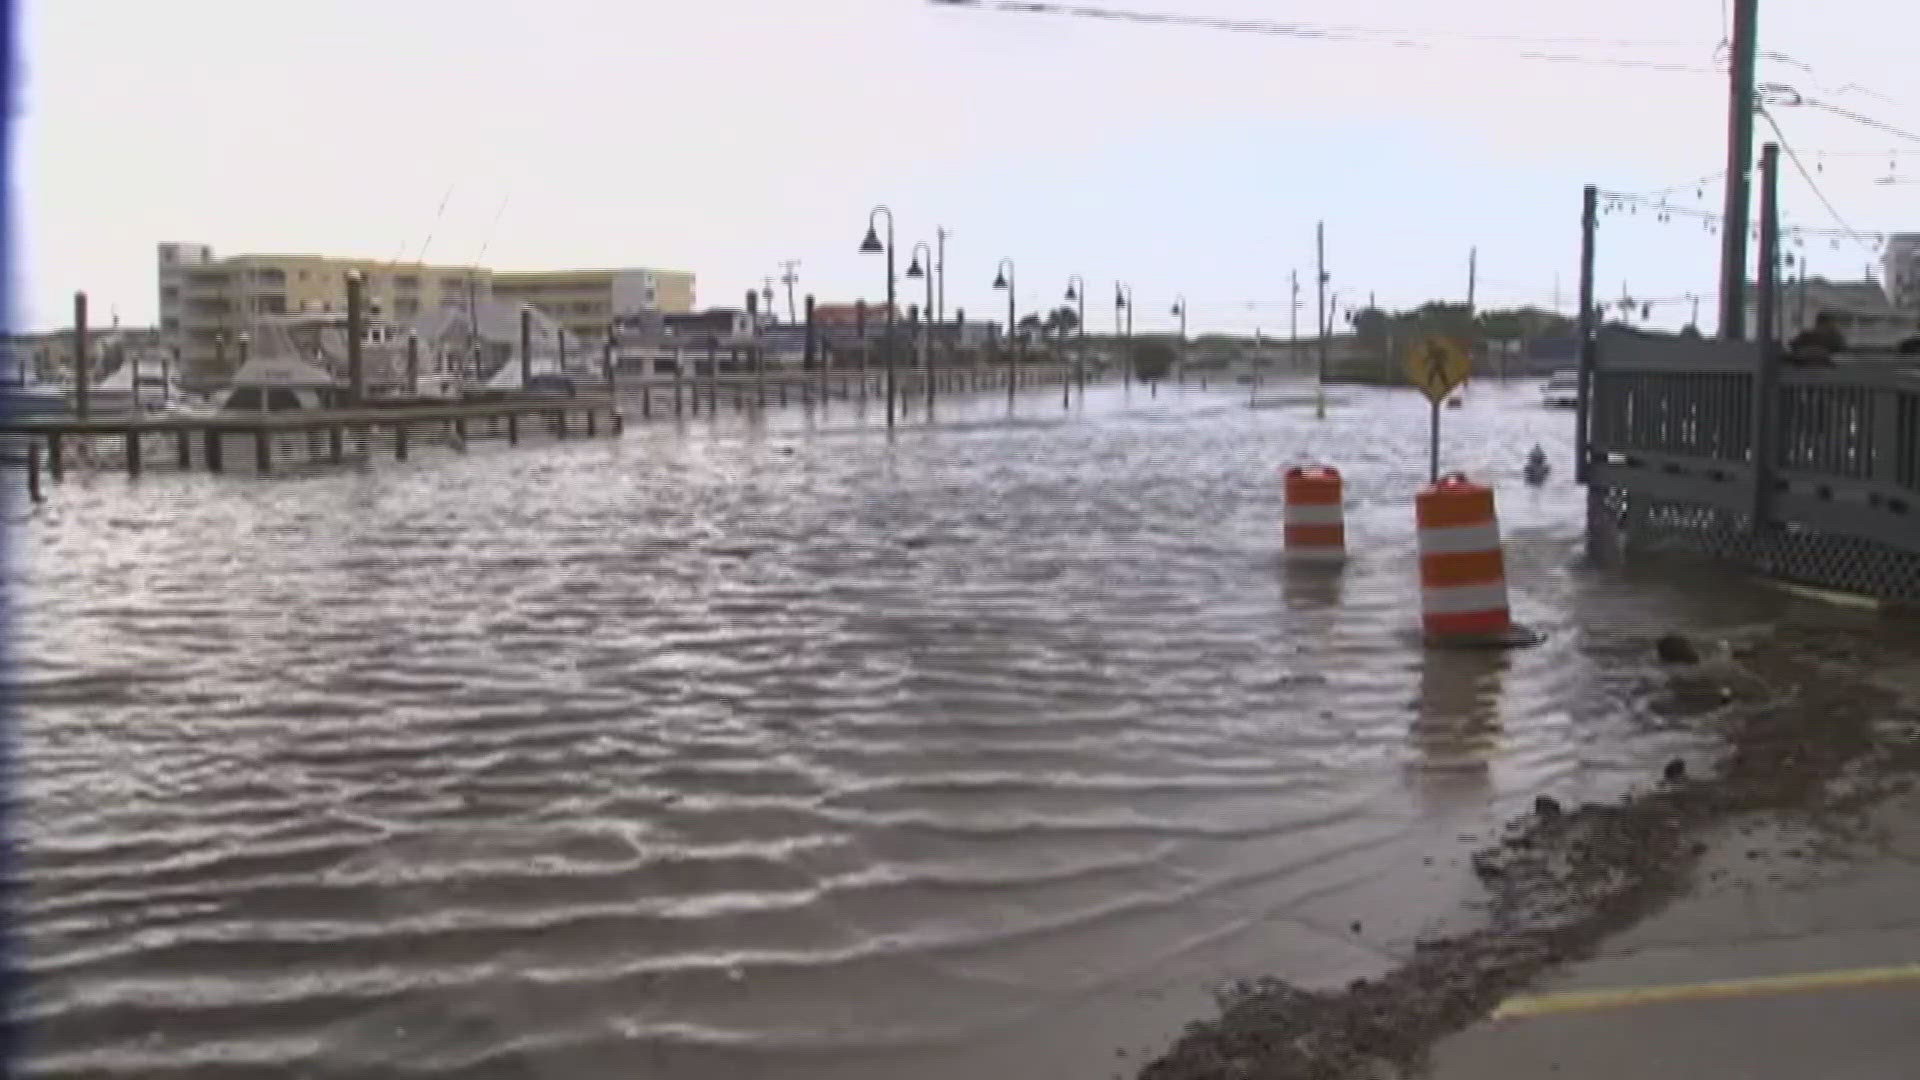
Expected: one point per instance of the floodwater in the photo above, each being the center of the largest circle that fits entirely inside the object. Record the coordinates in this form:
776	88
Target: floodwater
781	747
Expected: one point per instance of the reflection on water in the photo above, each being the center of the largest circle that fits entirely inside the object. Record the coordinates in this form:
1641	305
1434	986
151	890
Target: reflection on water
1311	585
1455	731
782	747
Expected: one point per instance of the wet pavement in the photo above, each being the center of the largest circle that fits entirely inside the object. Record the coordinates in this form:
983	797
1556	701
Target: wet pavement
1795	956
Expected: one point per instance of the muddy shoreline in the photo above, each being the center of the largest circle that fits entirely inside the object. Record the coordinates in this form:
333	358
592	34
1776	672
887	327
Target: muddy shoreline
1803	731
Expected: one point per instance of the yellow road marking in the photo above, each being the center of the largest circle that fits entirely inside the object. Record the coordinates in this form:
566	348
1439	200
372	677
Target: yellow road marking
1629	997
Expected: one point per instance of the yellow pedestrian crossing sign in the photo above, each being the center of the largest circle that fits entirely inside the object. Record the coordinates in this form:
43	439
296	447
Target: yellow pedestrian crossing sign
1437	365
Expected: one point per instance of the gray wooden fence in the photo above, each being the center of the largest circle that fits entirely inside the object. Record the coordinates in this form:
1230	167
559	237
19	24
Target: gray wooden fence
1809	474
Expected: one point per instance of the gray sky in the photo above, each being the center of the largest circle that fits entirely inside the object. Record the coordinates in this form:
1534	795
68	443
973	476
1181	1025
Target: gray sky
722	137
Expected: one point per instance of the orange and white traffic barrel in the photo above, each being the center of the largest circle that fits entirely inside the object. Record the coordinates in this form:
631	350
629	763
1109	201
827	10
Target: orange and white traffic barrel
1315	524
1463	579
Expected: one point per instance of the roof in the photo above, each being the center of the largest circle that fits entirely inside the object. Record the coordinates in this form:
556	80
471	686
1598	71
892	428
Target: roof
282	371
1854	297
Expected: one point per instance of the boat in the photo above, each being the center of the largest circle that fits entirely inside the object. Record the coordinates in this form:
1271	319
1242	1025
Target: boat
138	385
1562	390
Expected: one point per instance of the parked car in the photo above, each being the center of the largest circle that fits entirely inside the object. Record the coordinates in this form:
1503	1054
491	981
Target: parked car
1562	390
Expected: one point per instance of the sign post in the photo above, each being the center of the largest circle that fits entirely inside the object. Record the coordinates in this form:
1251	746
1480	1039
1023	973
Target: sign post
1438	366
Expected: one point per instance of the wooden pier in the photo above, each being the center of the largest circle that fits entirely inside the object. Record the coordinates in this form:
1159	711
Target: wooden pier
273	439
205	440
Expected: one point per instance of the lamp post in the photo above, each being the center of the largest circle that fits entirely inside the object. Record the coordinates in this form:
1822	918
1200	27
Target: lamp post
1123	327
1077	296
1003	279
1180	359
872	246
914	270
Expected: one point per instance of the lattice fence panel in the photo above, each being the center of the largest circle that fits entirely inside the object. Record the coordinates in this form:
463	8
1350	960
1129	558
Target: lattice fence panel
1790	552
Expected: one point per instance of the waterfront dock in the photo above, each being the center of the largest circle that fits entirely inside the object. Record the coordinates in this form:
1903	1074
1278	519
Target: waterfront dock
216	441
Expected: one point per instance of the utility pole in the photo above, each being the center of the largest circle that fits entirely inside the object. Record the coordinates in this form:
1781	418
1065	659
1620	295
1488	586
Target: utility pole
1320	257
1473	281
787	278
1734	223
1293	331
940	267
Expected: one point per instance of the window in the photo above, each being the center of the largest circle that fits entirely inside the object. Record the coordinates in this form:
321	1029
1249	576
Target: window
270	275
169	294
406	281
270	305
451	284
170	322
207	278
406	305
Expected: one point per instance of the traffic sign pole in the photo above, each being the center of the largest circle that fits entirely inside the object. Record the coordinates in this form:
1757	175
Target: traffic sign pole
1433	444
1438	367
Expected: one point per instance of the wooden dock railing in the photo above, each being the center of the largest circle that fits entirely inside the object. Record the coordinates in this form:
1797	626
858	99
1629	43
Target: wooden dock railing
1808	472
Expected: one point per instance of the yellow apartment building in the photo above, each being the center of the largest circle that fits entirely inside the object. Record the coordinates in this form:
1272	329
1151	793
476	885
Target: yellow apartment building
206	303
587	302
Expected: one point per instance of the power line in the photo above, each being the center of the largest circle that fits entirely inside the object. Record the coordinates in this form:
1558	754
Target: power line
1866	121
1780	94
1630	202
1414	39
1794	156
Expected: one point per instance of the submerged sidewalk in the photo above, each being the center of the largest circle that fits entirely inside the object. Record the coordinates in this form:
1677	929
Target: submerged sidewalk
1795	955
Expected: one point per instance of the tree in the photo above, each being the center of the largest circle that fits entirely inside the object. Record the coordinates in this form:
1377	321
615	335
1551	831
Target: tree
1153	359
1373	328
1062	322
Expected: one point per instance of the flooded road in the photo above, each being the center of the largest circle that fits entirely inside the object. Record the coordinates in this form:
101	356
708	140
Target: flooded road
782	747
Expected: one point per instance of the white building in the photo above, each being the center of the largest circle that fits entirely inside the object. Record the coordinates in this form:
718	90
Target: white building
1900	263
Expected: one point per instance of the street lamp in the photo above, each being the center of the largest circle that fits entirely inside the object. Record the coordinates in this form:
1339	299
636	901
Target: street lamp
1077	296
1003	279
1123	326
872	246
1180	312
926	333
914	270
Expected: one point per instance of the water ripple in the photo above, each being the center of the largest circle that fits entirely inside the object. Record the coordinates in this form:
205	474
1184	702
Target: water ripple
695	756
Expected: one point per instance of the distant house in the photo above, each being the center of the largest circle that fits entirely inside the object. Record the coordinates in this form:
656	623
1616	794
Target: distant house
1866	315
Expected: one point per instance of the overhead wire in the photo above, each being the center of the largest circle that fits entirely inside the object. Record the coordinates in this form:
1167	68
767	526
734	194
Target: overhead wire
1805	174
1533	46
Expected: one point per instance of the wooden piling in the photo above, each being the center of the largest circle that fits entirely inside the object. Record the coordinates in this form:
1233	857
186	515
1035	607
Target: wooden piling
336	445
33	470
212	445
513	429
185	448
133	453
593	422
262	451
399	440
82	360
56	460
